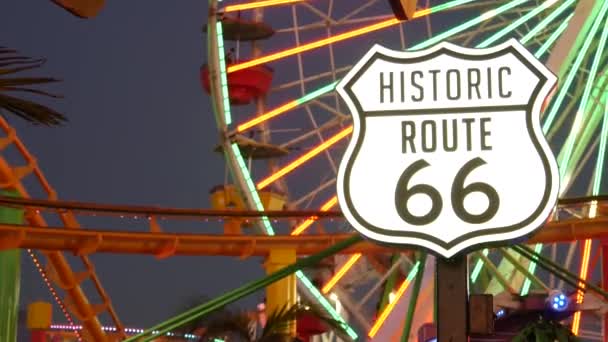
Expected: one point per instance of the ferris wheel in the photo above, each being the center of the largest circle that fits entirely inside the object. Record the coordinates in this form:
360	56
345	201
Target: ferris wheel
271	72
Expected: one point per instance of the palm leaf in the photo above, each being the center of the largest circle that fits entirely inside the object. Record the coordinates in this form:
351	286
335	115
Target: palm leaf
278	321
30	111
233	324
31	90
12	82
35	113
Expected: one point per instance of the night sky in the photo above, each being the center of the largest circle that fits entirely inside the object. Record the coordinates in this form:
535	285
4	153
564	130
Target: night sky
141	131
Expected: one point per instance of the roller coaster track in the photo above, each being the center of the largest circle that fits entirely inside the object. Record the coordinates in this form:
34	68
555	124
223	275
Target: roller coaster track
59	269
574	219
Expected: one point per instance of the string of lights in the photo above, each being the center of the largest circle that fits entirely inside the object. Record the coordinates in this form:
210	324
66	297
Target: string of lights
54	294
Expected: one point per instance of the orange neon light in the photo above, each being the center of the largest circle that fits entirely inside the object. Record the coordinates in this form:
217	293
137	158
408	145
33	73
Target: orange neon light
310	154
387	310
257	4
580	295
323	42
312	45
336	278
266	116
325	207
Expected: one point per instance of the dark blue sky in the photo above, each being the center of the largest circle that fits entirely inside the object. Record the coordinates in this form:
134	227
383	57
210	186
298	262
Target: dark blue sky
141	131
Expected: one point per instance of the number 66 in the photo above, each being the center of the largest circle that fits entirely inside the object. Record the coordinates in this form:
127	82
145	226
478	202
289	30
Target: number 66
459	192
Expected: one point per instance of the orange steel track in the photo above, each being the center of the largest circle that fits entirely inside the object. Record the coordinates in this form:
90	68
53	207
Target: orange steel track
61	273
85	241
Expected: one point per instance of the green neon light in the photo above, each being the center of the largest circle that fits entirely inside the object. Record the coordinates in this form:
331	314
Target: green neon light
531	268
601	153
413	271
546	21
496	36
590	125
478	266
487	15
254	193
588	87
223	77
323	301
312	95
539	52
563	89
556	34
448	5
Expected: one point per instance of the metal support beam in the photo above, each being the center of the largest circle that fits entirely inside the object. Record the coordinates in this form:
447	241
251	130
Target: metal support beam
86	241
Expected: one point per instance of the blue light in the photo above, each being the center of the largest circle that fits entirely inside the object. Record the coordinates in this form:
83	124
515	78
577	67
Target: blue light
500	313
559	302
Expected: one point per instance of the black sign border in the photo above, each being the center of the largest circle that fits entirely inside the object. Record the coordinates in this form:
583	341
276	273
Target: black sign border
528	108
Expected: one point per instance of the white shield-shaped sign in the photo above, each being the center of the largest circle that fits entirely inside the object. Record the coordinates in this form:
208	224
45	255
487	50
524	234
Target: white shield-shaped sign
447	149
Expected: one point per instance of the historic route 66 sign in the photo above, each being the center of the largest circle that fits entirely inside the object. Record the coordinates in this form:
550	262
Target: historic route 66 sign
447	149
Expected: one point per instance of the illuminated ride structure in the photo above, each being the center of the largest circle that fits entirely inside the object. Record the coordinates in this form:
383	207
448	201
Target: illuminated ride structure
283	155
289	142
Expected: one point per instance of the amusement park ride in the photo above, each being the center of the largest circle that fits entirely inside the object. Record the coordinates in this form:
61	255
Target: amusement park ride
280	200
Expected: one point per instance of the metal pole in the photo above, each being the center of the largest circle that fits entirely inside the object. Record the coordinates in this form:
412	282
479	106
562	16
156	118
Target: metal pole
452	299
9	278
605	286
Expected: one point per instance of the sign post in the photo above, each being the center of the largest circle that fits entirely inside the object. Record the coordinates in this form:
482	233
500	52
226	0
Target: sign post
452	298
447	154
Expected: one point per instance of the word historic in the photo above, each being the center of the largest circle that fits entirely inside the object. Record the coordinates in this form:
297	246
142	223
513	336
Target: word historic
450	84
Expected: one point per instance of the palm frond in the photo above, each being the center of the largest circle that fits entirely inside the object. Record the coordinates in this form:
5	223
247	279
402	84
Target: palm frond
546	330
20	81
279	320
12	63
31	90
234	324
30	111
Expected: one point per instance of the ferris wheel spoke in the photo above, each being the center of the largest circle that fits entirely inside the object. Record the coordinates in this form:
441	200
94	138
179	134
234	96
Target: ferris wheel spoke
329	285
389	308
550	116
517	23
298	203
312	78
304	158
475	5
490	14
356	11
347	23
324	16
299	229
257	4
285	108
583	148
343	36
468	36
571	96
601	154
330	124
312	45
553	34
576	126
